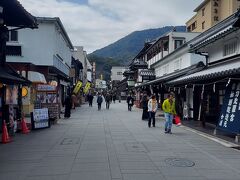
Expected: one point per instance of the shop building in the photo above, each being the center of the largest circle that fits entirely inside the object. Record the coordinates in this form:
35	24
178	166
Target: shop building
12	16
210	12
48	48
215	89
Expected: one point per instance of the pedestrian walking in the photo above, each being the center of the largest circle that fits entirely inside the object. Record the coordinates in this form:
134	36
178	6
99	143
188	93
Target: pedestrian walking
144	102
68	106
90	99
99	101
114	97
152	109
107	100
168	107
130	102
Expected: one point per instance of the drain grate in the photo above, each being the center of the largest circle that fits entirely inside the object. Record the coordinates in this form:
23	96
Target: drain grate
179	162
70	141
135	147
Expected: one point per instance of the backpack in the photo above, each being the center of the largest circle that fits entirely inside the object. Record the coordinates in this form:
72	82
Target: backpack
99	99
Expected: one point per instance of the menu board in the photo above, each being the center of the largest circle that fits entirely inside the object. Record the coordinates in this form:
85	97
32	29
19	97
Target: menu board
40	118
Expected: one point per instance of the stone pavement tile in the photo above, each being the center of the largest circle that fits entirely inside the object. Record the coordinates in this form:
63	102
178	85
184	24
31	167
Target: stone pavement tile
16	166
140	171
22	156
54	177
186	178
63	152
143	177
179	171
130	165
78	167
93	146
56	160
90	176
13	176
50	170
207	164
91	160
192	155
92	154
135	157
213	174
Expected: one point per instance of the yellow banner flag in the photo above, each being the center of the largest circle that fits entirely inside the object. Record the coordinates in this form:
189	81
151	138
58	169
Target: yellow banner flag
77	87
87	87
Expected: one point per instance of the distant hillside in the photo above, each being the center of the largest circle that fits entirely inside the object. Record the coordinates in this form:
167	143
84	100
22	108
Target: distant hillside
124	50
127	48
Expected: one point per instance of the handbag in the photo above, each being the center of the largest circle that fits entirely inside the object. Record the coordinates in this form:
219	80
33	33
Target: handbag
178	121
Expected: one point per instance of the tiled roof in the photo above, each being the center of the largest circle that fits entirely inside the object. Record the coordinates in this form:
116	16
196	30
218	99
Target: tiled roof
216	32
220	71
194	68
15	15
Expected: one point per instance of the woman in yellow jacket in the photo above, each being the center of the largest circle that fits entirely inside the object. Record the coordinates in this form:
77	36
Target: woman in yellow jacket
168	107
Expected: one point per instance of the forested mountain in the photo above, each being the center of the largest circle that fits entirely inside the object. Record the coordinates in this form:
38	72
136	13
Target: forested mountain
125	49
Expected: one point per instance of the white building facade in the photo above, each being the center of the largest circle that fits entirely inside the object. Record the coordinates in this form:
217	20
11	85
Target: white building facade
49	45
117	73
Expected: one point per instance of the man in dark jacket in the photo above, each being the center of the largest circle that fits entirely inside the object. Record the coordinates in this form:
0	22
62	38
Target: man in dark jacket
107	100
130	101
144	102
68	106
90	99
99	101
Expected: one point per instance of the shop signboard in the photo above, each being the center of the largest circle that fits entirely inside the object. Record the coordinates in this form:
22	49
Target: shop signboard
230	114
77	87
45	87
87	87
40	118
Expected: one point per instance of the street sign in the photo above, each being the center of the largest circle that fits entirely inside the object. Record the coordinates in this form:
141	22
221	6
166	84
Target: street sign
230	114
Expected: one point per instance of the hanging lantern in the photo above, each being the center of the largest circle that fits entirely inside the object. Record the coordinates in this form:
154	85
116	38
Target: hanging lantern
24	91
131	81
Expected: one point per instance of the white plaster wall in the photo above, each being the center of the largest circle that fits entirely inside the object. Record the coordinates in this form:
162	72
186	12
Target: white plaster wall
216	50
115	76
40	47
189	101
89	76
37	45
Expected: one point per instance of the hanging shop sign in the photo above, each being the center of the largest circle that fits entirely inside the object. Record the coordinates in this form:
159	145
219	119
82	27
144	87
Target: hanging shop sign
230	114
77	87
40	118
87	87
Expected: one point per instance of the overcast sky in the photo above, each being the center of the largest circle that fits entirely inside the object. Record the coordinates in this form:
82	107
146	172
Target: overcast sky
97	23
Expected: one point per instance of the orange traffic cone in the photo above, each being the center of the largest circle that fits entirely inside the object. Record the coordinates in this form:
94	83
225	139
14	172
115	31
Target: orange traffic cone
5	136
25	129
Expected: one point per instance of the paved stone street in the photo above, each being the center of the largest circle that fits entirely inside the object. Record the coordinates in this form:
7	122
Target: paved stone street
115	145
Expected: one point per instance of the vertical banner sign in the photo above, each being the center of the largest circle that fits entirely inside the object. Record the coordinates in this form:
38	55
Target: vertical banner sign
77	87
87	87
230	114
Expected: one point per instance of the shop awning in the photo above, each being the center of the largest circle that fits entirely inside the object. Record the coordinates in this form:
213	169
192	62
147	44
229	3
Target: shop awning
16	16
8	76
171	76
221	71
